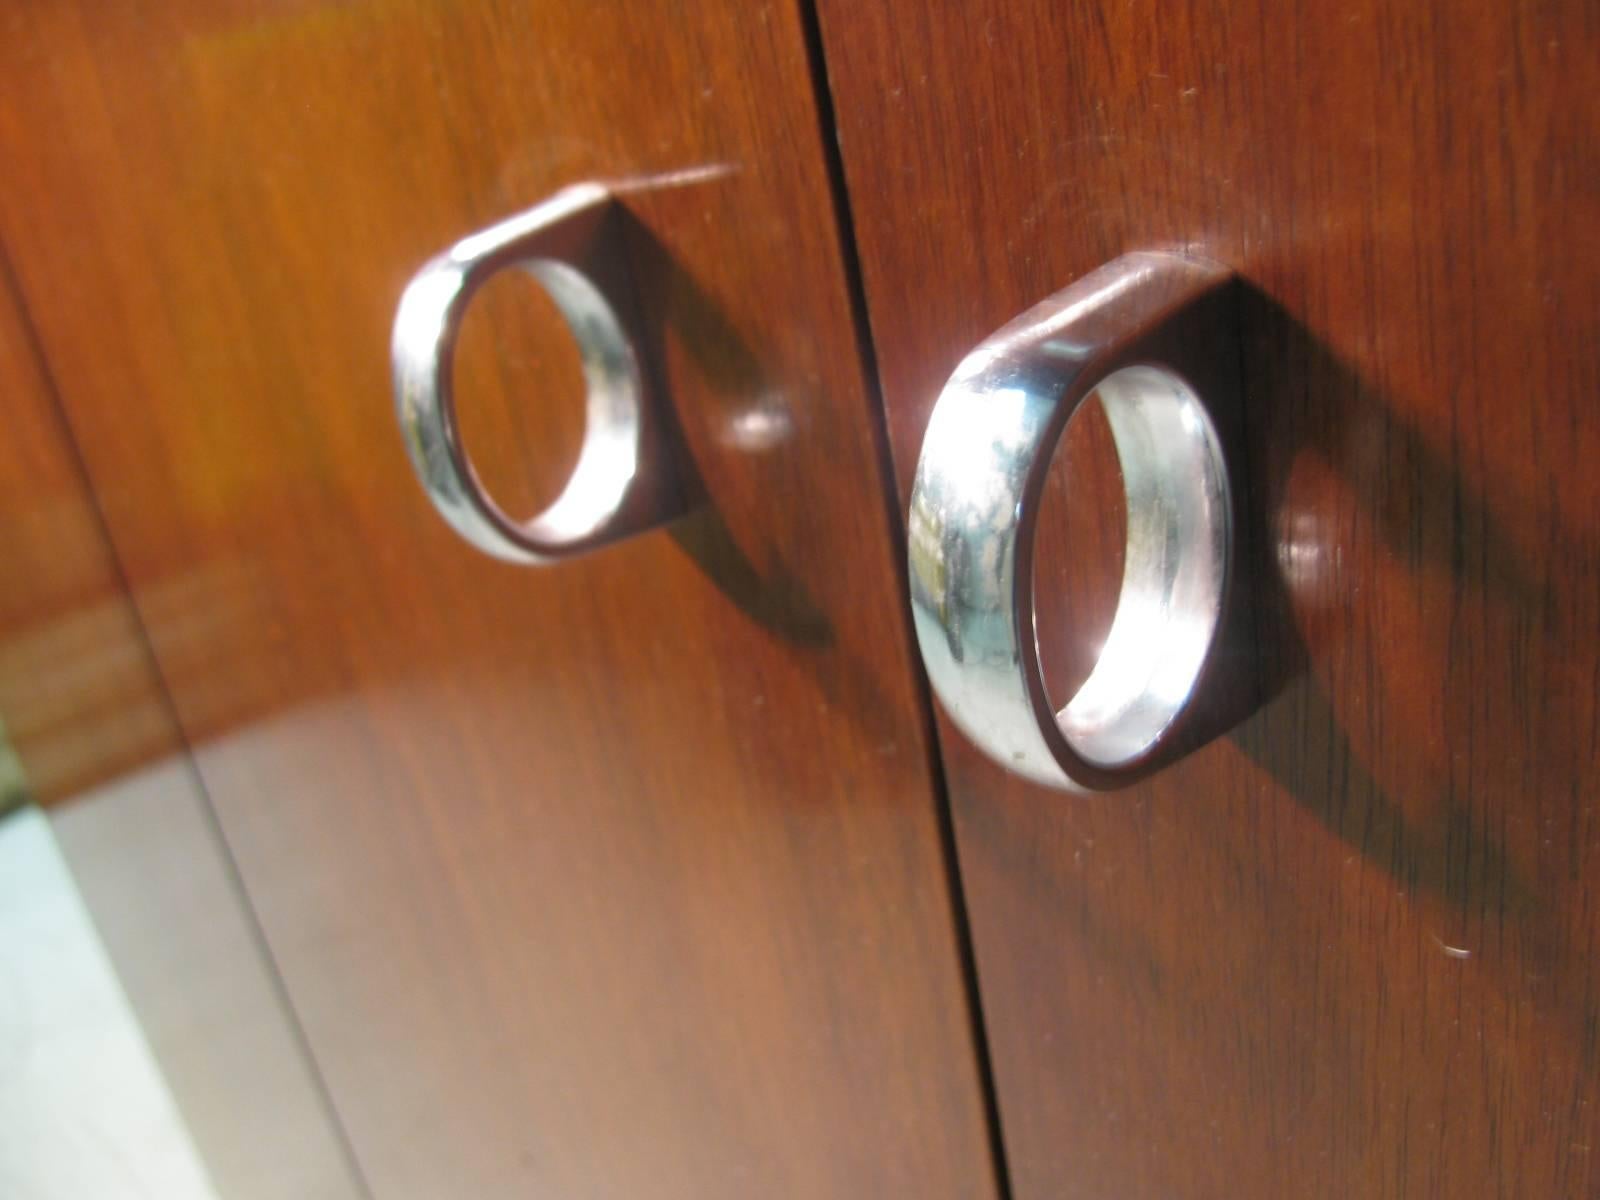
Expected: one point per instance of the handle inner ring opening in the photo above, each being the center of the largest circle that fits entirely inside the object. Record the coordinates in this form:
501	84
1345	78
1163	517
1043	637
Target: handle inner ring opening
1179	529
608	458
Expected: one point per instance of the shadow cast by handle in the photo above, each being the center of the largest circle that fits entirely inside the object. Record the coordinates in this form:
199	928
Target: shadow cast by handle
1303	401
675	310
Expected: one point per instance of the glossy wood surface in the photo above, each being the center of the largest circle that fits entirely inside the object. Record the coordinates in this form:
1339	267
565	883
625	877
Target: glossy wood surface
150	870
617	879
98	745
80	700
1351	949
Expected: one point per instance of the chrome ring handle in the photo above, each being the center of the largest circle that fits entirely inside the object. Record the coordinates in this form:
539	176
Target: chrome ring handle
624	482
1153	335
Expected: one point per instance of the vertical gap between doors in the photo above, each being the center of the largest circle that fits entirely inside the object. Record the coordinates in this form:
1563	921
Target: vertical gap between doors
856	286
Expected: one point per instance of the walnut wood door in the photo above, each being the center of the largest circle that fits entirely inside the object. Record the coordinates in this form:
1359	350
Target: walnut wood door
619	878
1350	949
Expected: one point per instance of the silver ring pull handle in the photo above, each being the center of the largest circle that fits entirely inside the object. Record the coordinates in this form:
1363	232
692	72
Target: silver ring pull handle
1154	336
624	482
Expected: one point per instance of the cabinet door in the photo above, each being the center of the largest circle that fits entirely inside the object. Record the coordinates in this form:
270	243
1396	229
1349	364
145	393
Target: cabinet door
622	877
1348	950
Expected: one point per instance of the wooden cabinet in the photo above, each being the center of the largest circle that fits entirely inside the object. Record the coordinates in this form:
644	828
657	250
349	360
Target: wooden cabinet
1349	949
653	873
623	878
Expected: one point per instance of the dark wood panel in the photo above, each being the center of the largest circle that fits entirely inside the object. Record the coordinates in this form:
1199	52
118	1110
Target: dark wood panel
1350	950
617	879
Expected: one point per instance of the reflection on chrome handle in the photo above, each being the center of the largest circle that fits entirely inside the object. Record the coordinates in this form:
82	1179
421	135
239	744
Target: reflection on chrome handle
1144	334
623	482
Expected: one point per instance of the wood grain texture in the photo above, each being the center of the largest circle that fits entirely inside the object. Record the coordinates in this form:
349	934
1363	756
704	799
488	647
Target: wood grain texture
618	879
80	699
1351	950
